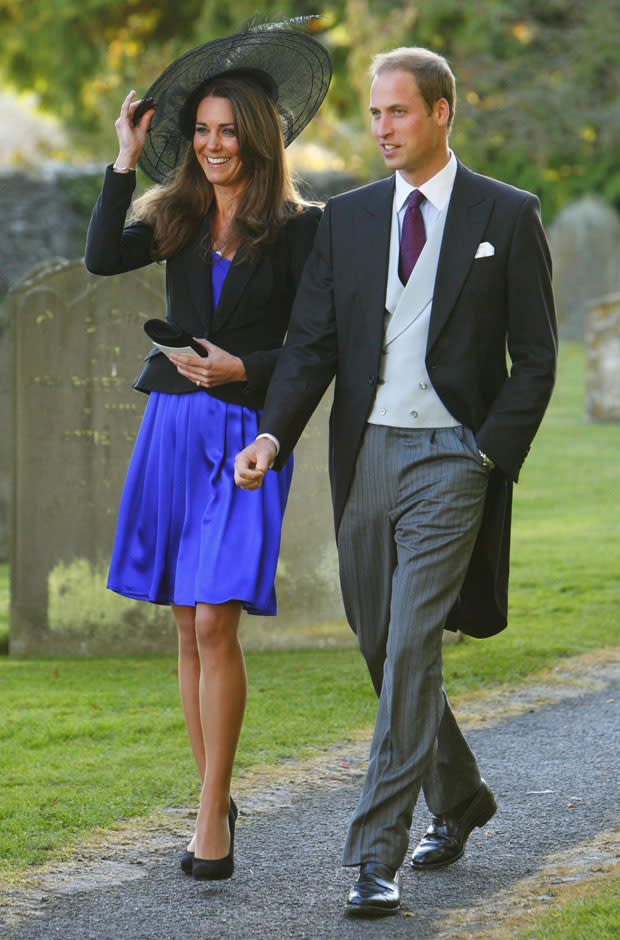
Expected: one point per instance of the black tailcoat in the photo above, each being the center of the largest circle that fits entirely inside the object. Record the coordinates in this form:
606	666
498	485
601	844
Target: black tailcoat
482	307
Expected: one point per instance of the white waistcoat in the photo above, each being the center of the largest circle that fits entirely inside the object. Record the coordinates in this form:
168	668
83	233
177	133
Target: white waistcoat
405	397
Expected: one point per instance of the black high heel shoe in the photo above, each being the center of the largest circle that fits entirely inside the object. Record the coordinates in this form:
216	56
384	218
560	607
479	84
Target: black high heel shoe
187	861
216	869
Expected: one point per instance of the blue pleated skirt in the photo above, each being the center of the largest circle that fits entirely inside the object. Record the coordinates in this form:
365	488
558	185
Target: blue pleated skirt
186	534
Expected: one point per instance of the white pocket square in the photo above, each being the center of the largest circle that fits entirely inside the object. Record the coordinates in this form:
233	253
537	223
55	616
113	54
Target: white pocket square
485	250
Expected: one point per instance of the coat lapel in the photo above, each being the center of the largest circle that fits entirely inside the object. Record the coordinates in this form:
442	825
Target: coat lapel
419	289
468	214
233	287
371	240
199	287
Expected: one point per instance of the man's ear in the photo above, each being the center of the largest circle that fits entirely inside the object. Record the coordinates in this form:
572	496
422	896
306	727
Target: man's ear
441	112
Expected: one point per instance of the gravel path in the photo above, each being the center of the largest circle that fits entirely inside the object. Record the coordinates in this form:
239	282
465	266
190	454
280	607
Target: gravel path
551	758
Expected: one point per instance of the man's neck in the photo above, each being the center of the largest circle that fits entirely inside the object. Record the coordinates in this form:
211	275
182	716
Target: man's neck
418	176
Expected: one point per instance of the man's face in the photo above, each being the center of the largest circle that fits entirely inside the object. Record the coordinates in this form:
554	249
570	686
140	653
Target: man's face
410	139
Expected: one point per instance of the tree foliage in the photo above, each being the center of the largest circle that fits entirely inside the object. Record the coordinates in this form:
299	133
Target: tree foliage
538	86
73	53
539	91
538	83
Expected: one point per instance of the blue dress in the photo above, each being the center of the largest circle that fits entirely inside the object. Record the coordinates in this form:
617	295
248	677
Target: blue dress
185	533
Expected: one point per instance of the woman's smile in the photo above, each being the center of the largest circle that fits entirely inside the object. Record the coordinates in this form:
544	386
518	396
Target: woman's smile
216	144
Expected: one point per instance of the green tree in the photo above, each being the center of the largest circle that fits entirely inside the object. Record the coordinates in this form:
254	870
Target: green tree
538	83
72	53
79	55
539	91
538	87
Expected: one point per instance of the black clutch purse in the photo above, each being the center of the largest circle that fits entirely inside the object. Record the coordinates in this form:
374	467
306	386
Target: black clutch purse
169	337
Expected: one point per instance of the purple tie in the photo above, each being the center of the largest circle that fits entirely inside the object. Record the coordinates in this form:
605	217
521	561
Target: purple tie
412	237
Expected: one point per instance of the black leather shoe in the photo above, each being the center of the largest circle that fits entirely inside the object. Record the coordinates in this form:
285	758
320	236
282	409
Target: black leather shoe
444	841
375	893
187	861
216	869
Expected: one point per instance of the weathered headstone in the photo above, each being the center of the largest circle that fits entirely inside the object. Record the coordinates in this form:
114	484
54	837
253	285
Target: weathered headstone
585	247
77	343
603	360
5	442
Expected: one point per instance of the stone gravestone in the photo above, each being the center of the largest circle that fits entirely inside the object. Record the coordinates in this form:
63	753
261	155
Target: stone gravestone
585	247
5	450
77	343
603	360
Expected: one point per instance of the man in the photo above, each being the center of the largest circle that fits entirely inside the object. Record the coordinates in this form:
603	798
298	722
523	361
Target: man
427	434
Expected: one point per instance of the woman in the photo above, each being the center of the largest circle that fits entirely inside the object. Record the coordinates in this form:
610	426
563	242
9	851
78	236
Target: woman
234	233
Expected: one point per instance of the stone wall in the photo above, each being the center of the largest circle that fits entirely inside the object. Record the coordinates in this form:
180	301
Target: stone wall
37	222
43	218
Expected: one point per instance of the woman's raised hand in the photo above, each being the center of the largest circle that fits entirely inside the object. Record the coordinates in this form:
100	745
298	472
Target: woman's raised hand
130	138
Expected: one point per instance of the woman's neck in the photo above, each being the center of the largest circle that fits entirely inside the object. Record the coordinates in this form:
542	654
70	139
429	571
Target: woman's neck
223	225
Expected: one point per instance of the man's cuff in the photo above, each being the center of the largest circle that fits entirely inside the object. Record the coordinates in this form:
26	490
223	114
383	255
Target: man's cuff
271	438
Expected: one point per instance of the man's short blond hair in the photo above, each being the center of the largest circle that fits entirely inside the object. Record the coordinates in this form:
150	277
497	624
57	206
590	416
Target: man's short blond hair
431	71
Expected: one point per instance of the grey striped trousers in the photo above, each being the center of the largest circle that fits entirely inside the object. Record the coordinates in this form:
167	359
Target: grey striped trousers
404	544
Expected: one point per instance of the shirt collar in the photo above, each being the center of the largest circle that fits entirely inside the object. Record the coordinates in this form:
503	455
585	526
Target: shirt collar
437	189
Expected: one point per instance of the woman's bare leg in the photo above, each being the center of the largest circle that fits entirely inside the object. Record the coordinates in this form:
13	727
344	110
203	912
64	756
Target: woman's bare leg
223	690
189	682
189	685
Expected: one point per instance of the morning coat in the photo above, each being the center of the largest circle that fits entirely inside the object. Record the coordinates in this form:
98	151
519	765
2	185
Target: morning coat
482	307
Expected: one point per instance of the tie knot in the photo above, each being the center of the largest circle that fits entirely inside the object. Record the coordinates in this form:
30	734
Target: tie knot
415	199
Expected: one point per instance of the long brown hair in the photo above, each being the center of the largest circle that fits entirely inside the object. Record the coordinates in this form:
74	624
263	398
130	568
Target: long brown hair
269	199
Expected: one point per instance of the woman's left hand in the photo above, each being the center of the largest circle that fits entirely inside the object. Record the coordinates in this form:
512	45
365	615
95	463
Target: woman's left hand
218	368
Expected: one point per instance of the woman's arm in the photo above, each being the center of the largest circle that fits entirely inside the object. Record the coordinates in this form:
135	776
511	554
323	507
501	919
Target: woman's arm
112	248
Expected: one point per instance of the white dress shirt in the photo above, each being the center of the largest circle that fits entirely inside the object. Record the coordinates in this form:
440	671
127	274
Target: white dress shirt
437	192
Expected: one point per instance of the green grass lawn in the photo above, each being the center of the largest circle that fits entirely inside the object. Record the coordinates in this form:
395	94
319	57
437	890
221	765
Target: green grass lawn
89	742
85	743
592	918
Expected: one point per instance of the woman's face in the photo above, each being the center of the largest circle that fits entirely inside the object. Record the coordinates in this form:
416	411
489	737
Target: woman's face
216	145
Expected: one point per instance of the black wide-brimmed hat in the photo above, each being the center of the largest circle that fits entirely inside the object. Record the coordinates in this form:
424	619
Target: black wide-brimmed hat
290	65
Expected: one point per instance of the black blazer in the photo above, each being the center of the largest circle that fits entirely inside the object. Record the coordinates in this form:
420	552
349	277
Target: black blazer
253	312
480	307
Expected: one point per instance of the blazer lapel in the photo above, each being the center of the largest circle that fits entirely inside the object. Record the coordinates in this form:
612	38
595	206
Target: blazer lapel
199	285
199	288
233	287
468	214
